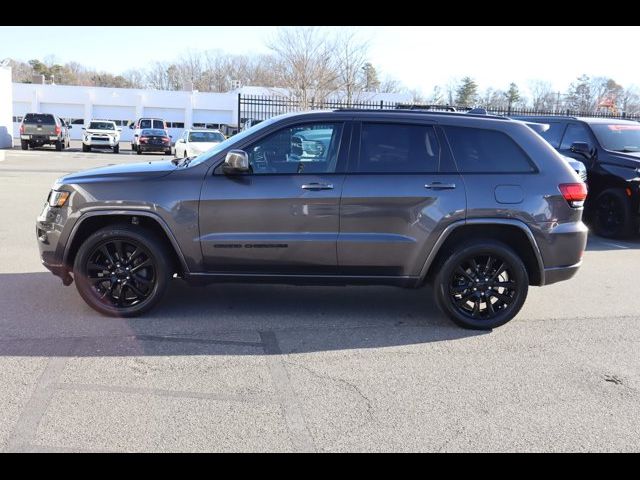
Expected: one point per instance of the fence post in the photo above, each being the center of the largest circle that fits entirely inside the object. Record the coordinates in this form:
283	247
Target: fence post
381	104
239	112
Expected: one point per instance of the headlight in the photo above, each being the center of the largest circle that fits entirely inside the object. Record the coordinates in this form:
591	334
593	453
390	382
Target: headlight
58	198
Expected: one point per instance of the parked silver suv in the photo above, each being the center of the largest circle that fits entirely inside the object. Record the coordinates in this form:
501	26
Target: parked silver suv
479	206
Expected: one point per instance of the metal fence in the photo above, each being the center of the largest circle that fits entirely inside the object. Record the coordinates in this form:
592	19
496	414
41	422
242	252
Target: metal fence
253	109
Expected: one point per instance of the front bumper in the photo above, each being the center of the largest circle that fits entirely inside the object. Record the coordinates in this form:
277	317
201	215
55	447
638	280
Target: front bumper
101	142
50	234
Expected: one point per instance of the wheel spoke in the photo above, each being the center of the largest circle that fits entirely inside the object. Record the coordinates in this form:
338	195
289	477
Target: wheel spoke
144	264
474	266
490	308
135	254
136	291
476	307
488	266
97	266
464	273
498	271
105	251
503	298
119	250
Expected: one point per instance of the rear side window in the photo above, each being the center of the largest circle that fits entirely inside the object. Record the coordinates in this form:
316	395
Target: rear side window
146	124
554	134
398	148
478	150
158	124
41	118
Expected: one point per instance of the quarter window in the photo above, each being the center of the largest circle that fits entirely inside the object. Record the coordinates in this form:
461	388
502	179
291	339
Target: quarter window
398	148
479	150
301	149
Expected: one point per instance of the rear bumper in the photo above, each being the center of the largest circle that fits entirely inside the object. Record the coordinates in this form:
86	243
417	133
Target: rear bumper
153	148
559	274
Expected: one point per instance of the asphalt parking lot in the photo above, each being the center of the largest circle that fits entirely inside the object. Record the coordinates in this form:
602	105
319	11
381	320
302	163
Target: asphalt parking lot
280	368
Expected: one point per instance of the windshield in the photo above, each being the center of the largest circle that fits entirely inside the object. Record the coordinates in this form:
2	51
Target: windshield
160	133
229	142
101	126
618	137
206	137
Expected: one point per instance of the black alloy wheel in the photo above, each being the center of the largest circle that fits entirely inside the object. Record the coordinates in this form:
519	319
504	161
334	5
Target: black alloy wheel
612	217
481	285
121	270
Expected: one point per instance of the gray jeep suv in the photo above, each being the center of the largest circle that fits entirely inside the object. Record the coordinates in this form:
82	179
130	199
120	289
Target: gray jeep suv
480	206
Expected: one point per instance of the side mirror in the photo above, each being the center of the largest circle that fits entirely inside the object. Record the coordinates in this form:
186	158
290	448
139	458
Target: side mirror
84	128
180	140
236	161
581	148
118	129
131	126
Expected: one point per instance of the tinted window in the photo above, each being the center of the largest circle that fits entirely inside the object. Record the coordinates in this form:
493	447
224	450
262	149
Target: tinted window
42	118
618	137
145	124
478	151
554	134
158	124
160	133
308	148
575	133
396	148
101	126
205	137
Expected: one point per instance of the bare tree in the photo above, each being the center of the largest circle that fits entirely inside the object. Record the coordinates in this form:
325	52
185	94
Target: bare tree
390	85
629	100
163	76
351	57
135	78
542	95
305	62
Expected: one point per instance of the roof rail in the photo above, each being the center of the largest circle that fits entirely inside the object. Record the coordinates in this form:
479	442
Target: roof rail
478	111
414	106
423	112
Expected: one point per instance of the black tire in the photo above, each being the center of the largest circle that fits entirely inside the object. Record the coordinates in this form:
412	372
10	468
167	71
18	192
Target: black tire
612	215
24	145
58	146
86	148
130	269
138	151
185	154
133	147
463	296
116	149
167	152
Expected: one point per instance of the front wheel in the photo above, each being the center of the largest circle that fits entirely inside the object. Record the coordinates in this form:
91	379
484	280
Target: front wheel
138	151
24	145
116	149
612	214
481	285
122	271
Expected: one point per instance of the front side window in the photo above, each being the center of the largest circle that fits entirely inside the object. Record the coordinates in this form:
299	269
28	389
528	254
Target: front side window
575	133
479	150
158	124
308	148
398	148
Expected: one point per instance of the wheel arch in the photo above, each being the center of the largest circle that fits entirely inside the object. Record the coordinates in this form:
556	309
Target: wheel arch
512	232
92	221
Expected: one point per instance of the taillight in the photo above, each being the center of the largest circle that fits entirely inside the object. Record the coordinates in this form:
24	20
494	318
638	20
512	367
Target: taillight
166	139
21	129
58	130
143	139
574	193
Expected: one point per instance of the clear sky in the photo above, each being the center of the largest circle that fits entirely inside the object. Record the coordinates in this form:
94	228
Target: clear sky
420	57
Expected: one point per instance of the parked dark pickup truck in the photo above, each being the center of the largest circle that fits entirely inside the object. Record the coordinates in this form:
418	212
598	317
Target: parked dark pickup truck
38	129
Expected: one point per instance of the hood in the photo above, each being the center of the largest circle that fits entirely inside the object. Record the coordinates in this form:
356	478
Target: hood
124	171
202	146
95	130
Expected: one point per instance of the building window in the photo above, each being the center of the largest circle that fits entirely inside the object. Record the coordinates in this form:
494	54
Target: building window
17	119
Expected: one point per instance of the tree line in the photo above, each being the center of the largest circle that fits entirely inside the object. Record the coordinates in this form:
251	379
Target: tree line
313	64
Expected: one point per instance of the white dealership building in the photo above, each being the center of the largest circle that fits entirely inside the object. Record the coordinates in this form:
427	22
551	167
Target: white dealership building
180	109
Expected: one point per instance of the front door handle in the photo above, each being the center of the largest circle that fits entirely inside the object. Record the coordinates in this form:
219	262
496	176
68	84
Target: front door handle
440	186
317	186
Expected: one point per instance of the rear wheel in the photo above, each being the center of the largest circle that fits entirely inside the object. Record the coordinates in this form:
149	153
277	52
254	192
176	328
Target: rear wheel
167	152
138	151
612	215
58	146
86	148
24	145
122	271
482	285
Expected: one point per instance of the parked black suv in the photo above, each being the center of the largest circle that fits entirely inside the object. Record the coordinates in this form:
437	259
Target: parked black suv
481	206
610	149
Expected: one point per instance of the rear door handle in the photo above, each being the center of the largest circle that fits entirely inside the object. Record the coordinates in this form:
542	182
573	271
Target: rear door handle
440	186
317	186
